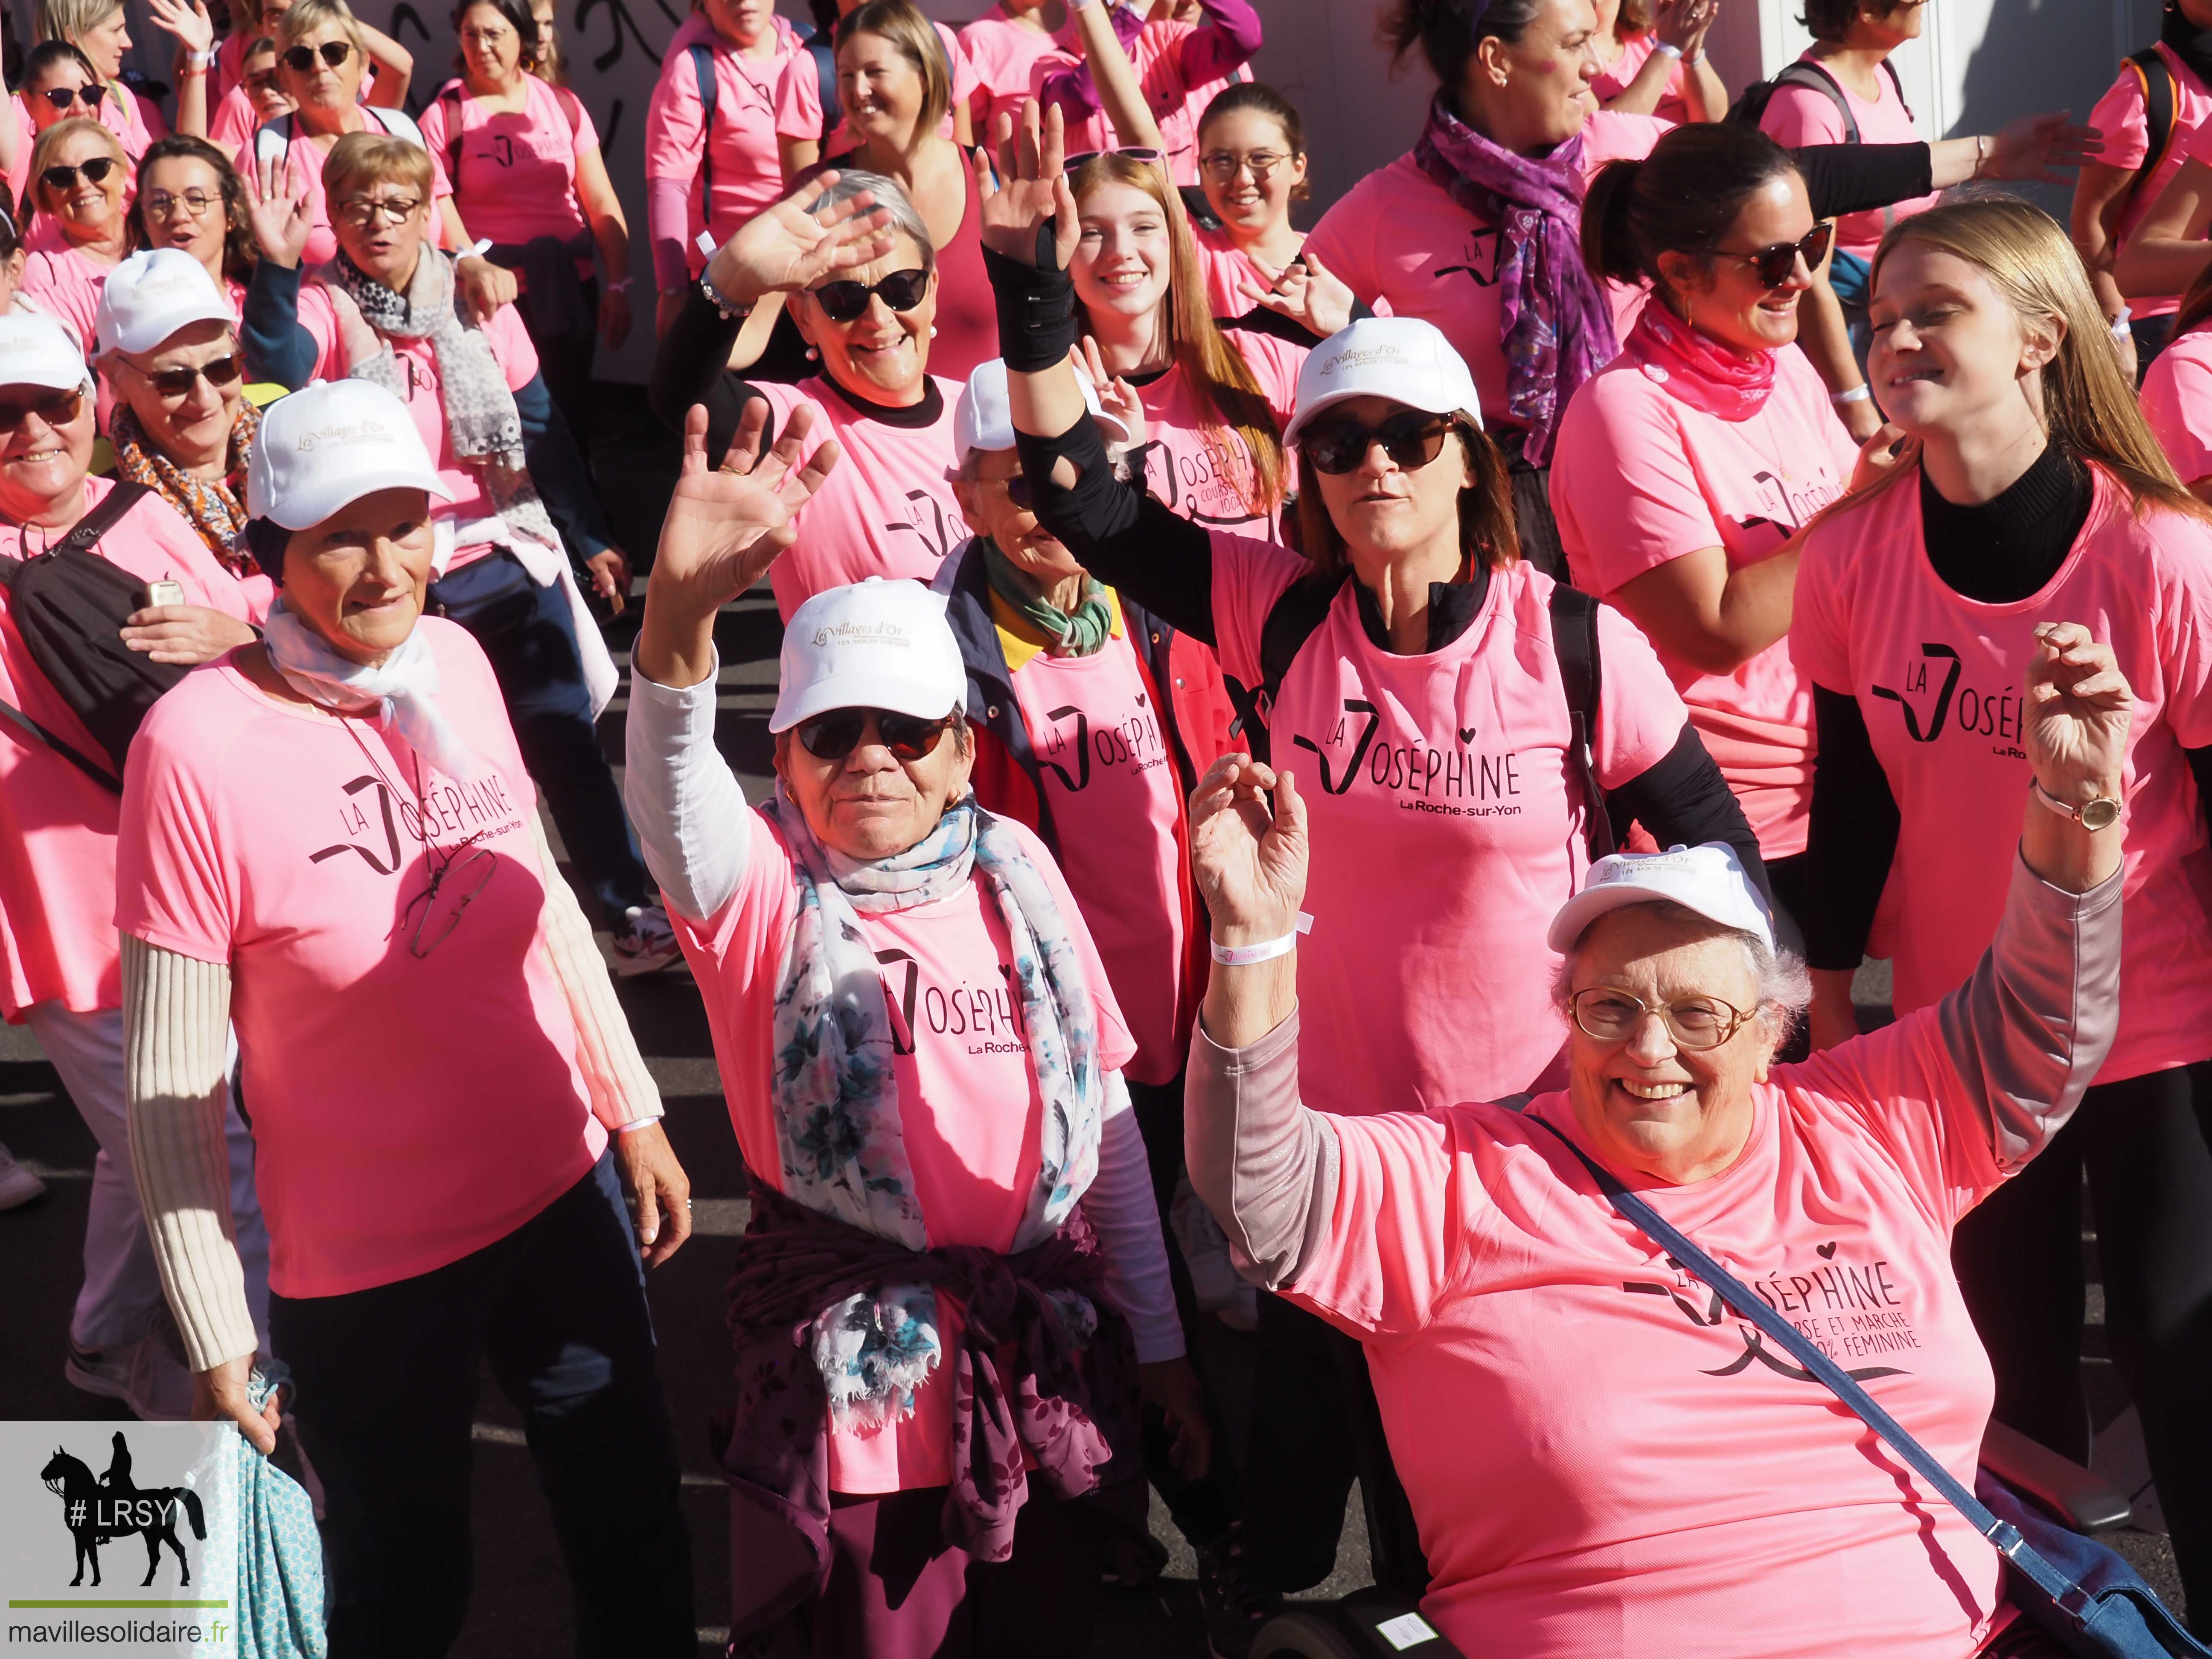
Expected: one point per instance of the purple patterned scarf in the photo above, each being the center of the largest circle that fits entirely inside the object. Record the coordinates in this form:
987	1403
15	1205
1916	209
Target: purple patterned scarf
1069	1402
1554	320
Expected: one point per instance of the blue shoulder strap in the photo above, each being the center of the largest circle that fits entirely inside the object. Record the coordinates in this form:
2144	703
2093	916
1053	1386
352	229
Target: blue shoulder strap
703	65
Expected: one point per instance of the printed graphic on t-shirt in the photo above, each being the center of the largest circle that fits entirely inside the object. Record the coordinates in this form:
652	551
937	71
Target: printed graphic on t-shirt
372	819
1478	258
1466	781
983	1018
1848	1310
935	527
1932	702
1071	745
1207	476
1789	504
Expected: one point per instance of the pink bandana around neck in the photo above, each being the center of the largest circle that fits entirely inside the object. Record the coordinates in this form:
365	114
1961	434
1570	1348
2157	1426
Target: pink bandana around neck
1698	369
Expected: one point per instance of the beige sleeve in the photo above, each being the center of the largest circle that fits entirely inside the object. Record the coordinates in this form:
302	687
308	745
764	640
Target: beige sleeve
176	1024
622	1091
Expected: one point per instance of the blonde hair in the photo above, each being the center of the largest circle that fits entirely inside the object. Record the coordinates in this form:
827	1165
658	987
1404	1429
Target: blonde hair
305	16
360	159
1213	369
915	40
65	20
2088	404
42	156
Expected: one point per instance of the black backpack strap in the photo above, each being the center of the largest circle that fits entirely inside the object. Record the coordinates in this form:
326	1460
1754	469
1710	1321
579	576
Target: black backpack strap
1806	73
450	98
710	91
1898	86
1574	641
100	774
84	535
2158	110
1299	610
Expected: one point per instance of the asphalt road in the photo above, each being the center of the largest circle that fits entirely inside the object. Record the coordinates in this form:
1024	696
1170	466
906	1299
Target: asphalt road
522	1603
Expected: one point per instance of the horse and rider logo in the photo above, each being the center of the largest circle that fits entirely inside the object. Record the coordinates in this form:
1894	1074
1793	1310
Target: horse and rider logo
99	1509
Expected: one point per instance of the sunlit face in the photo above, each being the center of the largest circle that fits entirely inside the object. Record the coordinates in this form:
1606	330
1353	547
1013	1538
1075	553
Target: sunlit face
11	277
1645	1103
882	355
1724	295
742	22
1384	511
86	210
180	198
45	444
264	85
547	16
1248	170
357	577
382	228
1890	26
324	92
991	512
490	47
872	804
1535	92
105	43
880	89
1949	350
191	425
1125	261
63	75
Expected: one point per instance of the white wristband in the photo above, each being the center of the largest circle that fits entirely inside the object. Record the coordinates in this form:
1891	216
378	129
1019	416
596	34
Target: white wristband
622	287
1858	394
1248	956
1671	52
706	244
2120	329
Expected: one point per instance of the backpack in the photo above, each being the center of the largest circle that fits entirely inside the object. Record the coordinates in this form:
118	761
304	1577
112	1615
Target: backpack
824	51
272	140
1292	619
2157	78
70	605
1750	108
449	99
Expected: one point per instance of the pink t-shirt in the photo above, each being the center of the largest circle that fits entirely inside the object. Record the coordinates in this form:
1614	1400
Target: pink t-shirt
1397	236
2120	117
962	1065
1798	116
1641	477
2176	401
1111	786
231	123
798	97
1630	1473
383	1149
1446	828
1001	53
57	826
1228	268
886	509
1635	52
518	177
1203	470
1938	678
303	170
747	170
1157	55
66	285
133	120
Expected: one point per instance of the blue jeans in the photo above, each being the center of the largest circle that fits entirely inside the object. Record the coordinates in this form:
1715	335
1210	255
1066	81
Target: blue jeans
530	635
387	1381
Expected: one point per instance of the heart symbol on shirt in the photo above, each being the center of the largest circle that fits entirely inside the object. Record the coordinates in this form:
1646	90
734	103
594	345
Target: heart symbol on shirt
1467	734
1141	699
1823	1251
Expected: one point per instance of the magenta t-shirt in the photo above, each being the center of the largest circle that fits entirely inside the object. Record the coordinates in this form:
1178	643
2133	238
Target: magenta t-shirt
408	1108
518	177
1446	828
2176	401
1799	116
1622	1469
1937	677
1203	469
969	1105
1642	476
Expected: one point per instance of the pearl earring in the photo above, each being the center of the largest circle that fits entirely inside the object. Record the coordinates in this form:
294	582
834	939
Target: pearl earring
932	331
812	354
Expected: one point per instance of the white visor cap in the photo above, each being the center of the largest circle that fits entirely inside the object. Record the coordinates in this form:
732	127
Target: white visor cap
876	644
1401	358
325	446
1705	878
35	351
984	418
150	295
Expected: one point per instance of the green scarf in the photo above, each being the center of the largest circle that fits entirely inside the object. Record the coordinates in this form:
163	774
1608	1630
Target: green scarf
1076	634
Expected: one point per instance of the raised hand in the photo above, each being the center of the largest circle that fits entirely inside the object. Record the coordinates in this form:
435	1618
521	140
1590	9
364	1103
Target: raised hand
2078	709
1250	864
1029	190
188	20
276	208
726	525
1123	405
1683	23
1314	298
2040	149
788	247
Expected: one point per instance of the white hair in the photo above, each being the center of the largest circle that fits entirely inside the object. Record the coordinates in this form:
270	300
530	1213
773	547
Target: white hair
1785	986
906	218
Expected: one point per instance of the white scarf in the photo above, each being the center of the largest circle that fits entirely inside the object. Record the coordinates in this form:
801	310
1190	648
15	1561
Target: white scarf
402	689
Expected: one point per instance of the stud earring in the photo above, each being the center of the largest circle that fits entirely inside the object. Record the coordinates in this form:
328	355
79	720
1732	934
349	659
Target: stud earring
812	354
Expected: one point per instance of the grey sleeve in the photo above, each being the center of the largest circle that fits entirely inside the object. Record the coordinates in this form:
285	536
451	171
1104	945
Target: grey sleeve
2031	1025
1265	1165
689	809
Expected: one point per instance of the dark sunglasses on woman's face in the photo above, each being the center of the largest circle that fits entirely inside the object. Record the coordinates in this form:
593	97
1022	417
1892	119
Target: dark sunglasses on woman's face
63	97
95	172
844	302
300	60
1774	265
833	736
56	409
176	382
1411	439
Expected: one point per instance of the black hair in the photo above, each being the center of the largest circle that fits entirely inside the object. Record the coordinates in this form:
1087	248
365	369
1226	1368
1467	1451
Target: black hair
1447	30
1261	99
47	53
239	249
519	18
1682	199
1830	21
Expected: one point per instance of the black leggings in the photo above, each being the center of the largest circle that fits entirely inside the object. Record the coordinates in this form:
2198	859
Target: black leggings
2146	1145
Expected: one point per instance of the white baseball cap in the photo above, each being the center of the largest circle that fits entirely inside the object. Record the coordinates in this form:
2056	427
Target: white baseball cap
984	419
150	295
1401	358
34	351
325	446
1705	878
876	644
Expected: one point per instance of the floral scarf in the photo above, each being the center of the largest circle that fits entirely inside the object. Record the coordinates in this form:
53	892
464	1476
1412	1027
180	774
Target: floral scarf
835	1090
217	508
1698	369
1554	322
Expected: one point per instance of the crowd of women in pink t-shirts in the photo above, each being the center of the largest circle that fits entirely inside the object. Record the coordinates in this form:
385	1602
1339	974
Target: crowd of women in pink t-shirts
1614	471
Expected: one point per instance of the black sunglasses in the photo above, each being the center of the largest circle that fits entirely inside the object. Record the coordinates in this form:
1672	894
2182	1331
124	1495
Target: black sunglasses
1775	264
300	60
843	302
94	171
176	382
1411	439
63	97
56	409
833	736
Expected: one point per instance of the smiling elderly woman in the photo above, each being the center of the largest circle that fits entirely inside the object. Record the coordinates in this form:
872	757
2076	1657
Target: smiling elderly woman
1633	1472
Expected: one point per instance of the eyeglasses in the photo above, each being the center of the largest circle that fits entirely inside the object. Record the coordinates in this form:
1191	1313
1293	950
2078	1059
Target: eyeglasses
1083	156
1222	167
176	382
1695	1023
833	736
470	875
844	302
1019	493
364	211
95	172
55	408
63	97
1775	264
165	204
261	85
1411	439
300	60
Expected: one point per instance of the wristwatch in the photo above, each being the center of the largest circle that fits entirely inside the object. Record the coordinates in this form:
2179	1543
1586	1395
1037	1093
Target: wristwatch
2100	813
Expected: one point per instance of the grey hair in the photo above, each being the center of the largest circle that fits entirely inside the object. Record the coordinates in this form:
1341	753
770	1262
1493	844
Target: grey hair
1785	985
906	219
